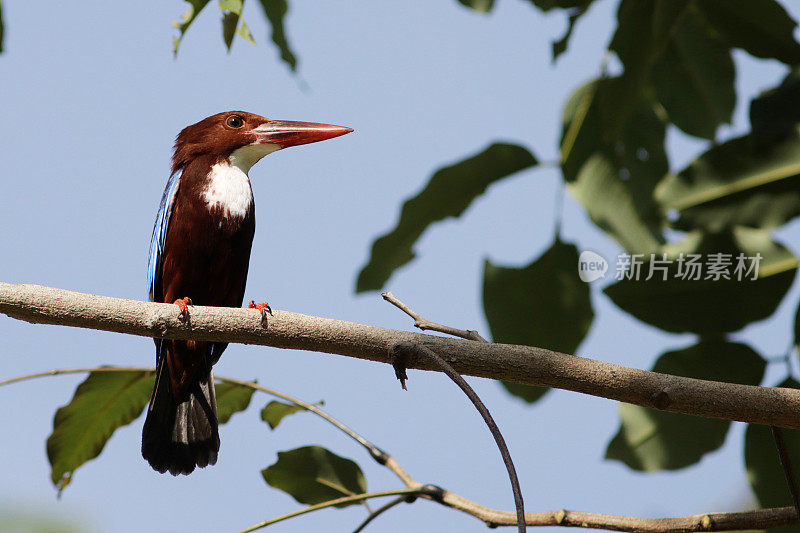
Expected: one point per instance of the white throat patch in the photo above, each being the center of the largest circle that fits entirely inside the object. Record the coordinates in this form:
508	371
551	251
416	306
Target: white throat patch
228	186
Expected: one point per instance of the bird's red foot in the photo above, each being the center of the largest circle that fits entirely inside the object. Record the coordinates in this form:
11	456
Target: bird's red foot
184	304
263	307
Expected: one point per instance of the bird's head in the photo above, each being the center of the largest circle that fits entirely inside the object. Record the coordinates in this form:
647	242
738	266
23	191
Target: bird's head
243	138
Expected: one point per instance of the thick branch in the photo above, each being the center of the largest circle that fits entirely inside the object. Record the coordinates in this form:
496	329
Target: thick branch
520	364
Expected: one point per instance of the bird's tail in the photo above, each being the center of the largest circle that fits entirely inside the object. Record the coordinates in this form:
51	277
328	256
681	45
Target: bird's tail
180	436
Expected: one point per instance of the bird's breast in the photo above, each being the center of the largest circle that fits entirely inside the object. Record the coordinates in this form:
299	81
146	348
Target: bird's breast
227	190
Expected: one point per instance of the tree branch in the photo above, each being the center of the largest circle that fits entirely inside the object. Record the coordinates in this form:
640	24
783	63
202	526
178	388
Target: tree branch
519	364
423	323
404	349
760	519
329	503
786	465
379	511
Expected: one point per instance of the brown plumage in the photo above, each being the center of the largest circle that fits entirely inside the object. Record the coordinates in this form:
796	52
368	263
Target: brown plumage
201	250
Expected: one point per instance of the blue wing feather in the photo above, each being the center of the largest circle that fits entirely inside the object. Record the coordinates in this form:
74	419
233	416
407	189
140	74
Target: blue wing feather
157	257
160	236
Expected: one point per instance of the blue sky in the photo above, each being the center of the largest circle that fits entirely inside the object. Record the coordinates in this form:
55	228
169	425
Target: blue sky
92	100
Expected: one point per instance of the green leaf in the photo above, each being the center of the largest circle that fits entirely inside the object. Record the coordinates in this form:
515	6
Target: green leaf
233	23
103	402
275	411
481	6
547	5
667	45
611	205
560	46
231	399
526	393
229	23
707	305
32	519
775	114
543	304
761	27
314	475
650	440
616	187
233	6
763	465
575	8
244	32
644	30
736	183
195	7
275	11
448	193
694	78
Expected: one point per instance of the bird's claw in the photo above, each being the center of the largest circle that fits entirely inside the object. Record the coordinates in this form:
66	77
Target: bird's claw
184	304
263	307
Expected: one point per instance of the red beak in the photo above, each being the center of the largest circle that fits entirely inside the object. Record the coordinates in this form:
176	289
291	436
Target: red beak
287	133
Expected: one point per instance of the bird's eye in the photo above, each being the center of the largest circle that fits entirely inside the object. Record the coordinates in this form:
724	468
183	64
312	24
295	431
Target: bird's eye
235	121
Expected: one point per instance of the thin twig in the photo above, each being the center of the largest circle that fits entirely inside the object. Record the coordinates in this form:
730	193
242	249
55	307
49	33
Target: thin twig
379	511
329	503
786	465
759	519
376	453
425	324
487	418
64	371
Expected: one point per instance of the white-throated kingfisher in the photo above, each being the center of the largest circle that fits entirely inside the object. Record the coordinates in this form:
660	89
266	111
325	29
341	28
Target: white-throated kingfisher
199	254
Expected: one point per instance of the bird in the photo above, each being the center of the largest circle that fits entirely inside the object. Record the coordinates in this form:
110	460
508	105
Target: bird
199	255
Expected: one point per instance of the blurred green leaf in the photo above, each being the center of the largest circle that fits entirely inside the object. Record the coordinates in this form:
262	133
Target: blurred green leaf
231	399
575	13
761	27
448	193
707	305
234	6
195	7
650	440
275	411
543	304
638	50
680	57
547	5
611	206
481	6
614	178
526	393
229	22
694	78
243	31
314	475
763	465
103	402
275	11
736	184
233	23
37	521
636	47
638	147
775	114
